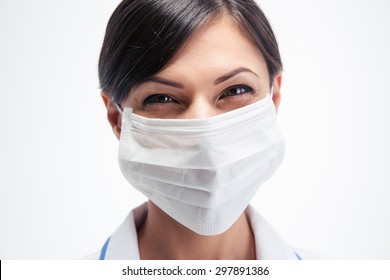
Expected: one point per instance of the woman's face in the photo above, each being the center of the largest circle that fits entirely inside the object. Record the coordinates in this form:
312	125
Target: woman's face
218	70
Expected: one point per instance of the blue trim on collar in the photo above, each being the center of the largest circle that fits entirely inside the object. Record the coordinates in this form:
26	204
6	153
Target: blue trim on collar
298	257
104	249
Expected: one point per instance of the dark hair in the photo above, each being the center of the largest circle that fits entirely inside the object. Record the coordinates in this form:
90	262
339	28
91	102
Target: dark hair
143	36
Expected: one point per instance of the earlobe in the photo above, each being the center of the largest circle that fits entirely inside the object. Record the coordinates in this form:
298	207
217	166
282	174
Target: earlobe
276	96
113	116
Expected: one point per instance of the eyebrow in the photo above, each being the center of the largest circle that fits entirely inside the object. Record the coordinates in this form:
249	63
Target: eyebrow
219	80
233	73
164	82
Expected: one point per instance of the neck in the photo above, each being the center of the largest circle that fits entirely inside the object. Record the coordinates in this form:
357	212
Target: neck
161	237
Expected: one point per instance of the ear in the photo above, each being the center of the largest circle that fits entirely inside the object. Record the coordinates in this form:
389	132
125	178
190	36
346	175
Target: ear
276	96
113	116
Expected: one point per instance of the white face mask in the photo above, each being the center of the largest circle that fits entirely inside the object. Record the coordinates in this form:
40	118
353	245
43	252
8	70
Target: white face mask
202	172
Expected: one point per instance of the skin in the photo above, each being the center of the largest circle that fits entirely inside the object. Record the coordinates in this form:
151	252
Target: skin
215	72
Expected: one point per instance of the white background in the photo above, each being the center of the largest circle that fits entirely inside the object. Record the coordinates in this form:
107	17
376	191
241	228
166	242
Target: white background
61	190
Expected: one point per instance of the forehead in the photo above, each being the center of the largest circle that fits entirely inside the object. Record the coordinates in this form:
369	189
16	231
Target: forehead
218	46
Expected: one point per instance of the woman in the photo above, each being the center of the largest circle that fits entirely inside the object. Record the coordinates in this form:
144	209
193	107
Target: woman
191	89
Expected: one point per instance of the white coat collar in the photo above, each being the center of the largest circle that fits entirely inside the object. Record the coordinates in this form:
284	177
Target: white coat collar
123	244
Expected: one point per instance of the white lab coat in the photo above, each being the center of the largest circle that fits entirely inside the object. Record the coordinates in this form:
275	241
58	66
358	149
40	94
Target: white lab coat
123	243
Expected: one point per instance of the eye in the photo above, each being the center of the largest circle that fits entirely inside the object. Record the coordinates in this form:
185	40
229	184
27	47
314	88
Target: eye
157	98
236	91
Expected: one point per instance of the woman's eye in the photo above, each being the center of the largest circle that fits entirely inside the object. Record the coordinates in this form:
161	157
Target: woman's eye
236	90
158	98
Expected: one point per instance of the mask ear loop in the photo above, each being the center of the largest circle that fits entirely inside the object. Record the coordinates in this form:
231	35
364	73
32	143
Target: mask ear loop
271	92
118	107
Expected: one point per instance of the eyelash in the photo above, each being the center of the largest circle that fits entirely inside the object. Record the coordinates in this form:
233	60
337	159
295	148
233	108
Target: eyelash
165	98
247	89
157	98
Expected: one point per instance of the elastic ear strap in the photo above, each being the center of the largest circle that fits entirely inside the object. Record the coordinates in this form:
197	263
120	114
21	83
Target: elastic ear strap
118	107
